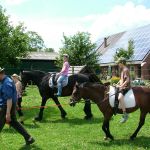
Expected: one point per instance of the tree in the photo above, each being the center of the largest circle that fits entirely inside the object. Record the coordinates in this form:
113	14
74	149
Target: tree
49	50
80	49
18	45
125	53
35	41
15	42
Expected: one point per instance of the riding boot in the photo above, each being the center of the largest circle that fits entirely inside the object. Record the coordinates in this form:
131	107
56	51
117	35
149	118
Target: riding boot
124	118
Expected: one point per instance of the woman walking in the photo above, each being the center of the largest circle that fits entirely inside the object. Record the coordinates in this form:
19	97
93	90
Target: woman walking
18	85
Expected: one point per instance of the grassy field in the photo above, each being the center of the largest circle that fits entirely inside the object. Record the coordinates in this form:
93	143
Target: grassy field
73	133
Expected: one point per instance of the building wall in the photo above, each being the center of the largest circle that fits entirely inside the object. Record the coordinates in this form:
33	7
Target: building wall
146	69
42	65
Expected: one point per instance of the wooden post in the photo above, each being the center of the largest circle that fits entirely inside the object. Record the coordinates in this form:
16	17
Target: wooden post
72	69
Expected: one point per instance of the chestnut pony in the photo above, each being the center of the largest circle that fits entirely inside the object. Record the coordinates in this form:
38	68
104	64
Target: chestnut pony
97	93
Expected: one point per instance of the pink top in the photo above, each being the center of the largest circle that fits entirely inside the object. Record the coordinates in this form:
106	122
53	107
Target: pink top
65	69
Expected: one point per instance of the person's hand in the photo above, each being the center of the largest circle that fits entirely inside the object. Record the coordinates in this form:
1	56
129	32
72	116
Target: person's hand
8	118
58	74
118	86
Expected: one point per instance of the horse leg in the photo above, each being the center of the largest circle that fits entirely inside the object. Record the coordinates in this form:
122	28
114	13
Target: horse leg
105	128
141	123
108	131
63	112
87	110
40	115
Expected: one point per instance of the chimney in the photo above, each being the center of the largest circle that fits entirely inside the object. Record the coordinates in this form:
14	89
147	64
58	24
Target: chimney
105	42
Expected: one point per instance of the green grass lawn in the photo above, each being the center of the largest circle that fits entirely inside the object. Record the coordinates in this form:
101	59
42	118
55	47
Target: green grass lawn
73	133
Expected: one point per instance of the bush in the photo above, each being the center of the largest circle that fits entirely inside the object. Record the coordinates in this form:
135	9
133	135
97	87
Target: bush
147	83
138	82
114	80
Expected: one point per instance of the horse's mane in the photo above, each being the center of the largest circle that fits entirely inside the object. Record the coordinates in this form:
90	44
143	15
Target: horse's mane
91	84
33	71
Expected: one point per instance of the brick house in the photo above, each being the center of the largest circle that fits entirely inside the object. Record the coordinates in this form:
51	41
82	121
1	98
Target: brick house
140	63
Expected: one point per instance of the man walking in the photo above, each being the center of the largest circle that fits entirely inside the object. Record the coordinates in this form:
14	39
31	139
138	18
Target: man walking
8	99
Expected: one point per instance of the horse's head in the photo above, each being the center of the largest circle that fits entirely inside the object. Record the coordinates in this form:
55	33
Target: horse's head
24	79
34	76
76	94
88	90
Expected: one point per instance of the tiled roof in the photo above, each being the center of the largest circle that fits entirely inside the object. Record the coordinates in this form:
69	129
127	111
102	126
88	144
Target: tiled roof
42	56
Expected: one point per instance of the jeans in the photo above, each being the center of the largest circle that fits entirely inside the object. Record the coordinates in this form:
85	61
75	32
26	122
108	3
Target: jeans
60	81
14	123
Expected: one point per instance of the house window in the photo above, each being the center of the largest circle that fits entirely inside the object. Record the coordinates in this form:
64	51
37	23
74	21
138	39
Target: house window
132	72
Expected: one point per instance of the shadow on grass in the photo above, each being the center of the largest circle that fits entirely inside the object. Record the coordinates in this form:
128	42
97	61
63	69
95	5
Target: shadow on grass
140	141
33	147
11	130
75	121
31	126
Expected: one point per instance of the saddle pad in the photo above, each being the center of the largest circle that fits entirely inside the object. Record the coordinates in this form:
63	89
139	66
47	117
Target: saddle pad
129	98
64	83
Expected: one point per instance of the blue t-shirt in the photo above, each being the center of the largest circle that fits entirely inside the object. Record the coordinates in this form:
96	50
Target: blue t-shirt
7	91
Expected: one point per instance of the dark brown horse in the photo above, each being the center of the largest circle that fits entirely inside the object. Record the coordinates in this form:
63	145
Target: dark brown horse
97	93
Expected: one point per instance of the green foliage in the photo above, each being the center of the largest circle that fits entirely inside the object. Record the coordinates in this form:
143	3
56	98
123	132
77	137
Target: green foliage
114	80
15	42
80	49
35	41
49	50
127	54
147	83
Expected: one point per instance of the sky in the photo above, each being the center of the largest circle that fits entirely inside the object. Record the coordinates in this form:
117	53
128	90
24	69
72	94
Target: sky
51	18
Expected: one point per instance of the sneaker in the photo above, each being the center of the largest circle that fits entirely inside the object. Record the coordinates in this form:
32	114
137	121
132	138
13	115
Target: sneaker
124	118
30	141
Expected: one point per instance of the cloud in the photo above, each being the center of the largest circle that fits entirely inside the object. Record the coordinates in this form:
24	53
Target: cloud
120	18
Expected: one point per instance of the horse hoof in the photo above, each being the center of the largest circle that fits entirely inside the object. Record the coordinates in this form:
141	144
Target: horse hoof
132	138
64	116
37	119
112	138
88	117
105	138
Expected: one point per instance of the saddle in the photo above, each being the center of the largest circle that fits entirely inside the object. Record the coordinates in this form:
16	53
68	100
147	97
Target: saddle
129	99
53	81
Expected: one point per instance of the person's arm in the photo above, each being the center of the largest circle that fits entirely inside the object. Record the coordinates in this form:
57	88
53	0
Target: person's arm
8	95
18	87
127	79
8	111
